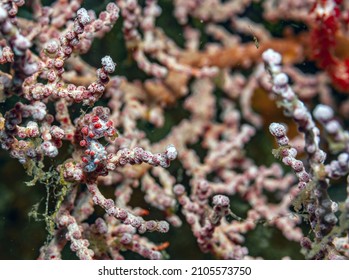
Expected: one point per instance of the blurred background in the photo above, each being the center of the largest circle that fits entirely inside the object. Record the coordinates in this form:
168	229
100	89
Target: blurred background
21	236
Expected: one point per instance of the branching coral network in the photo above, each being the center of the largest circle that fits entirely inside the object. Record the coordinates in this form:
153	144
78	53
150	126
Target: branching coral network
226	84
